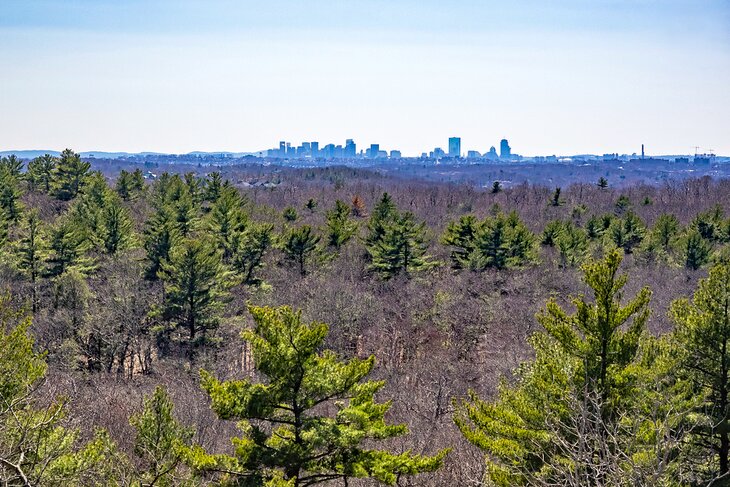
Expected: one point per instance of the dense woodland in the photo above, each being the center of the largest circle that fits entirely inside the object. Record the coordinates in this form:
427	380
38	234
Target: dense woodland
341	327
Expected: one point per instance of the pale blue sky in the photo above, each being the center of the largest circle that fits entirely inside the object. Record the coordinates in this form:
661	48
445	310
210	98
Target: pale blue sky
557	77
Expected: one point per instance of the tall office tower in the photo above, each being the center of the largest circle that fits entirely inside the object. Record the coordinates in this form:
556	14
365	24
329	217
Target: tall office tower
374	151
504	150
306	149
642	151
350	149
315	149
454	146
282	149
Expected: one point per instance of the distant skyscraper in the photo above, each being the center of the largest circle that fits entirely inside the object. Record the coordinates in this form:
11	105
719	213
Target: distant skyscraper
374	151
504	149
454	146
315	149
350	149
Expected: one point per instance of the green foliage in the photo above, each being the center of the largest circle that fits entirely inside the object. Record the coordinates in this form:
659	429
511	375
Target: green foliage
36	448
585	368
401	249
196	290
213	186
70	175
248	257
298	244
555	199
228	220
10	188
628	232
313	419
32	250
290	214
160	236
496	187
572	243
340	227
710	225
40	173
702	340
551	232
160	443
695	249
69	248
460	236
124	185
623	203
116	226
383	214
602	183
311	205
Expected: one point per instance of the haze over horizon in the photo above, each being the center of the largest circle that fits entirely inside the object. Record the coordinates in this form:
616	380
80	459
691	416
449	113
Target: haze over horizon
164	76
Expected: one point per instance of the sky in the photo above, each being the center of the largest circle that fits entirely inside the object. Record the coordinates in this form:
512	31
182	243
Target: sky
560	77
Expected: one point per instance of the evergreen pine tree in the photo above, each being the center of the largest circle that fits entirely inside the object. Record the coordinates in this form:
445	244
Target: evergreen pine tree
160	236
555	199
572	243
703	342
602	183
70	175
299	244
10	192
249	255
116	226
383	213
40	173
68	248
213	186
36	446
123	185
340	228
32	251
593	353
628	232
160	443
402	248
196	290
227	221
460	236
696	250
312	420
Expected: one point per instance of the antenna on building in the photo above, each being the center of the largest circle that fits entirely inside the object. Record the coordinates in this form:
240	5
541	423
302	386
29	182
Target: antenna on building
697	150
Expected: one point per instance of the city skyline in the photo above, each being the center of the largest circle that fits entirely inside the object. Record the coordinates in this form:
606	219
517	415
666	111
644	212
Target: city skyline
177	77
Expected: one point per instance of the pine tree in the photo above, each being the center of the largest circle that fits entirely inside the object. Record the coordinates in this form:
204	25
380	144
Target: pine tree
12	165
290	214
196	290
32	251
160	443
586	358
502	241
213	187
70	175
252	246
695	249
496	187
288	437
228	221
340	228
460	236
401	249
551	232
383	214
36	446
68	248
124	185
10	194
572	242
555	199
628	232
299	244
665	228
311	205
40	173
602	183
160	236
137	181
703	342
116	226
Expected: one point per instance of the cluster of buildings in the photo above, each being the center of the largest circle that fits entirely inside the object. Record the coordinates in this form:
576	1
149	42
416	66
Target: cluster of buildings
307	150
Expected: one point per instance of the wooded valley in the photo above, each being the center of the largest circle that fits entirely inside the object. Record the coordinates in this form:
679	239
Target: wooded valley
342	327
